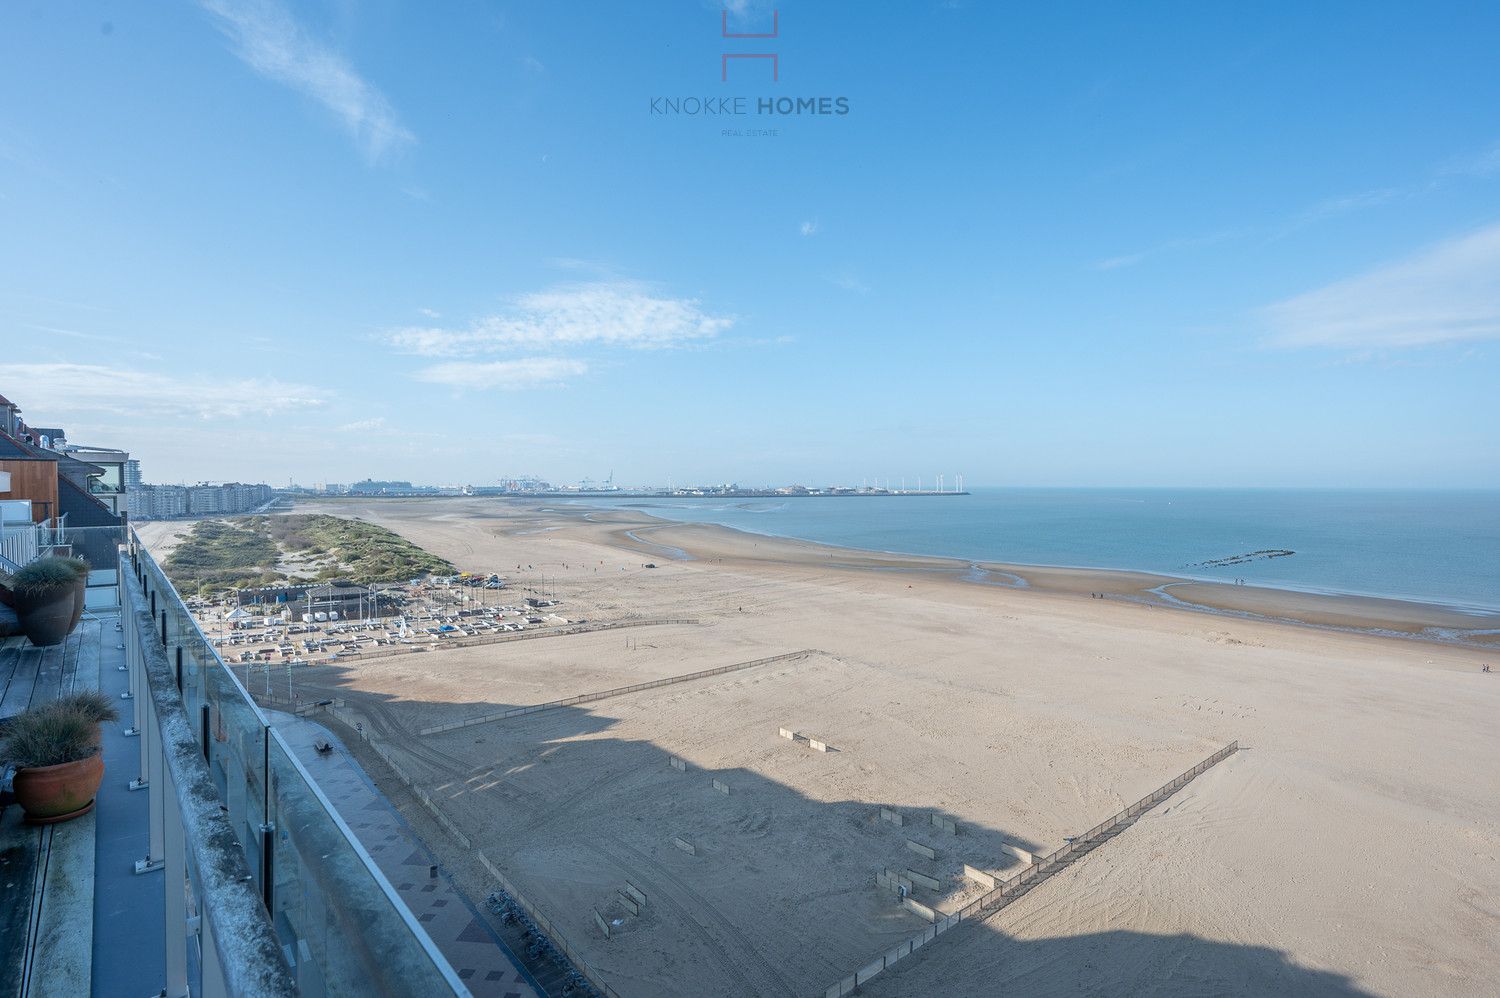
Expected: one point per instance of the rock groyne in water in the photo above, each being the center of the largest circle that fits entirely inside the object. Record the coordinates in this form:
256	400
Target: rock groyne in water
1242	559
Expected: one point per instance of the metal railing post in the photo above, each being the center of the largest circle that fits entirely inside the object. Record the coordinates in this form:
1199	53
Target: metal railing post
193	834
213	972
132	674
175	883
156	792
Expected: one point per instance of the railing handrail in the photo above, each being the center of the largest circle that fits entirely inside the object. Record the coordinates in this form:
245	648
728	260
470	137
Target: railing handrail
138	550
21	541
162	585
439	961
249	950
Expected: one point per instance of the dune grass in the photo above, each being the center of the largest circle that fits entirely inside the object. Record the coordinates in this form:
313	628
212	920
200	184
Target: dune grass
252	551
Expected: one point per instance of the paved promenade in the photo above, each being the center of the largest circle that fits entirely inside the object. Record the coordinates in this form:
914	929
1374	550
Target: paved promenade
482	961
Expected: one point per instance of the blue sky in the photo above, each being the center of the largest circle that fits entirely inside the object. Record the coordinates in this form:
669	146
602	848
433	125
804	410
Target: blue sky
1200	244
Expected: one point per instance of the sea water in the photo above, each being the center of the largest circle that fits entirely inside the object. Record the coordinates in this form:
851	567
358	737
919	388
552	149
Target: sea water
1430	546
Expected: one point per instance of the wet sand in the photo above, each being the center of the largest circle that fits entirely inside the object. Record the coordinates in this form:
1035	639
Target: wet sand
1368	614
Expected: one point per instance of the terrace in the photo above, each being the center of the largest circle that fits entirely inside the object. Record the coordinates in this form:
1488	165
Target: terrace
213	862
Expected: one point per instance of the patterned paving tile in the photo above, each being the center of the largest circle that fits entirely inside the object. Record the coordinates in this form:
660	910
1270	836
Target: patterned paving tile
487	968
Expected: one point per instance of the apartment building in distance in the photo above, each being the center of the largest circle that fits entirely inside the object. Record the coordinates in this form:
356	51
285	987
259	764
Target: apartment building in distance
163	502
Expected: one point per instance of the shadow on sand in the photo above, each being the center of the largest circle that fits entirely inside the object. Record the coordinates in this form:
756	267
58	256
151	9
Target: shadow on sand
570	813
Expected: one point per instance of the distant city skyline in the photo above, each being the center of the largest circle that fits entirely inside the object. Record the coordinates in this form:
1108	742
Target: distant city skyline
1190	246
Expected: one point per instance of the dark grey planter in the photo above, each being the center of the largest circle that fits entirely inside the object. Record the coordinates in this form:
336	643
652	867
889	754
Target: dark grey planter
47	616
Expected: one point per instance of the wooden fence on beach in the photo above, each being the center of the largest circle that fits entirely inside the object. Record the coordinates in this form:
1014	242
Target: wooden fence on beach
621	691
1022	883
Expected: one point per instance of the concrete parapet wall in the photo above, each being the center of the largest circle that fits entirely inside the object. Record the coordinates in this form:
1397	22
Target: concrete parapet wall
921	850
629	903
979	877
944	824
678	764
917	908
1024	855
601	923
894	817
632	891
685	845
931	883
721	787
818	745
787	733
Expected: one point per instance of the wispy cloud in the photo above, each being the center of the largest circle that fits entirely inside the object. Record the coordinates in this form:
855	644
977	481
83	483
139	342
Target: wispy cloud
1342	205
598	270
1187	242
1482	164
809	228
54	301
1447	293
849	281
271	42
363	425
528	372
609	313
71	333
61	390
1127	260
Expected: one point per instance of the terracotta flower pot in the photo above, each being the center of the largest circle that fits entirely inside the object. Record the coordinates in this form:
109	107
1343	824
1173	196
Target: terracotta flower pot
47	616
50	794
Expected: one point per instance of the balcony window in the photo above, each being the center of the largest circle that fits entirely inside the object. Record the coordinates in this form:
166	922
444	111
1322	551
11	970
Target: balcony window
111	482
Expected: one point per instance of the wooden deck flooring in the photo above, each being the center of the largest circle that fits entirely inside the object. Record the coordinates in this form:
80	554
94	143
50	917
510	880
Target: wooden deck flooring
46	873
29	674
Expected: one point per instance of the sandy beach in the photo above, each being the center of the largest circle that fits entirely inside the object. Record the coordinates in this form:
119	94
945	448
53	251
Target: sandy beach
1351	848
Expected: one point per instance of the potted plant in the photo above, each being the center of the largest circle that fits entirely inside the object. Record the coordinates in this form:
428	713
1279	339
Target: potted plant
81	569
60	766
96	705
45	592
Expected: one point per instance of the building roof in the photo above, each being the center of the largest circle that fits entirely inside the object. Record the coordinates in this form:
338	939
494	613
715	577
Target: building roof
336	589
97	452
82	509
13	449
72	465
51	432
70	469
